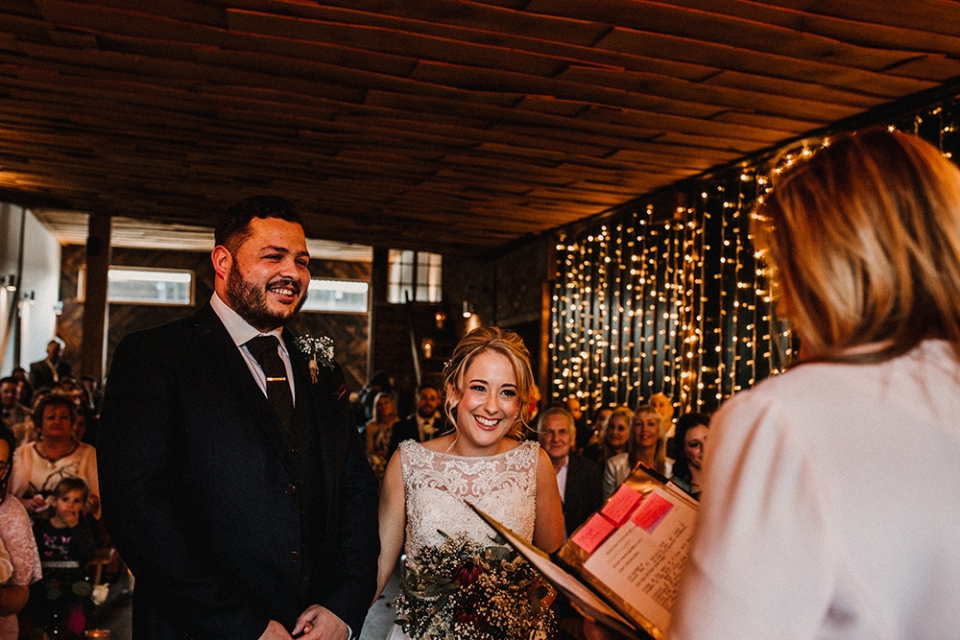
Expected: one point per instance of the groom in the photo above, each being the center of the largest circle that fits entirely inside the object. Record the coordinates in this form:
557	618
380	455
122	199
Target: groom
238	492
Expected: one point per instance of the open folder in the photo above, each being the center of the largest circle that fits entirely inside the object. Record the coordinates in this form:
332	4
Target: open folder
622	566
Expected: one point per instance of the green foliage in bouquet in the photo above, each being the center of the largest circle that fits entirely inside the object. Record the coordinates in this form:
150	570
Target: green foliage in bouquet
463	589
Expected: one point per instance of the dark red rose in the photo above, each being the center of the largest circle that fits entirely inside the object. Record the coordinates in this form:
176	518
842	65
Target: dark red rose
467	573
464	616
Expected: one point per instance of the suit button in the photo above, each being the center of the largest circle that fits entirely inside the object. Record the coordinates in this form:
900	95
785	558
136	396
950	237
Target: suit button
294	556
290	489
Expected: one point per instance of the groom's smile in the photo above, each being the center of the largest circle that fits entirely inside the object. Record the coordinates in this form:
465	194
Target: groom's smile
268	279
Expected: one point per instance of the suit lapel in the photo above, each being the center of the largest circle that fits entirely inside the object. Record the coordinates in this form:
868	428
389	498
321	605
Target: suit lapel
236	375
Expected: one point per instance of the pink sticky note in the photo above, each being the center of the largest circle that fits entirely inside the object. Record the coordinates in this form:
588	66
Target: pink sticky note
621	504
589	536
651	512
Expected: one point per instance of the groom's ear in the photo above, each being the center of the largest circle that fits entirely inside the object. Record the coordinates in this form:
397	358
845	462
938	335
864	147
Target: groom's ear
222	260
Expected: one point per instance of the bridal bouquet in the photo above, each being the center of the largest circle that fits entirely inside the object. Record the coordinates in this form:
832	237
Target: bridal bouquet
463	589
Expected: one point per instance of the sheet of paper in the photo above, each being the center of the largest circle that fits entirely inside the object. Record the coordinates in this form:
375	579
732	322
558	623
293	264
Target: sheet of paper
642	560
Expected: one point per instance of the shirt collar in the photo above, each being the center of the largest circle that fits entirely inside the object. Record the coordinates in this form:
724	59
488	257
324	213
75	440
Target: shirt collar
429	419
239	329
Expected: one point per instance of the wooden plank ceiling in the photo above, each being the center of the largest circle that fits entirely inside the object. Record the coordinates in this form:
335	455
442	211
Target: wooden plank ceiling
448	125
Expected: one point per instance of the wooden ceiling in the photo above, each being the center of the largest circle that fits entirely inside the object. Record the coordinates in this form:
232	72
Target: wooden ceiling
448	125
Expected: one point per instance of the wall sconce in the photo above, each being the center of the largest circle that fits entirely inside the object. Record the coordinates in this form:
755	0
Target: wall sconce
440	317
9	281
467	309
427	346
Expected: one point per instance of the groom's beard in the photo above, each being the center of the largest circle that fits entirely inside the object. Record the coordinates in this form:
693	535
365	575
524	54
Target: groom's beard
249	300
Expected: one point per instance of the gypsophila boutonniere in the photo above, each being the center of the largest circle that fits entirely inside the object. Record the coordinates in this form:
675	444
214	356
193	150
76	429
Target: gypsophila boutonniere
464	590
319	350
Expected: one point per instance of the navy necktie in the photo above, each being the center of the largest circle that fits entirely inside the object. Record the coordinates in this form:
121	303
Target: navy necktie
264	349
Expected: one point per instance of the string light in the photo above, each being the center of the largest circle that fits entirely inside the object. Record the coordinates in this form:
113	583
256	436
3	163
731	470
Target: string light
680	301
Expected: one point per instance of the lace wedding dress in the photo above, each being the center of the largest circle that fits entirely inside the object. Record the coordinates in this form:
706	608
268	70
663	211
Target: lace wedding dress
438	486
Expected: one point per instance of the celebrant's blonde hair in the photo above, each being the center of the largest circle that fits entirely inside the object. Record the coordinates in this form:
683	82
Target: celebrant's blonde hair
864	241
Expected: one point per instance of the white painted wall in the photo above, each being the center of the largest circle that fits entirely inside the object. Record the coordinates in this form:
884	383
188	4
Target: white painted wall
41	278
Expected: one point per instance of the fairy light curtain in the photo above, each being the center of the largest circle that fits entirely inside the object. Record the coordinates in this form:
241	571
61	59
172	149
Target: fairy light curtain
682	306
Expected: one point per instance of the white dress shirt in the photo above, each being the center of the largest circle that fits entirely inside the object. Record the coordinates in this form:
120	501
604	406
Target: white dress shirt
241	332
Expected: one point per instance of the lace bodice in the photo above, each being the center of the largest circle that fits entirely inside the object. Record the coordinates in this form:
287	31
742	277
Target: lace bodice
438	484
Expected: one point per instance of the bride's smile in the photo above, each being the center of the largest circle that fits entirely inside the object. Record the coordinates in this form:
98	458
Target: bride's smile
489	406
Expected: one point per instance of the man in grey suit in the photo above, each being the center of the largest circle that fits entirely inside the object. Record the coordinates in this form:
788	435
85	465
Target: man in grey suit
233	482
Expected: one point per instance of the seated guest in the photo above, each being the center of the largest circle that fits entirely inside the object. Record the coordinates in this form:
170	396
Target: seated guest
614	437
86	426
594	448
25	389
646	445
584	432
367	397
39	466
378	432
18	538
60	601
13	413
815	521
578	478
664	406
423	424
692	429
26	431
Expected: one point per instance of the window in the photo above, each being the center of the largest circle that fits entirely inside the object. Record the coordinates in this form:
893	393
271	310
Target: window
414	276
347	296
132	285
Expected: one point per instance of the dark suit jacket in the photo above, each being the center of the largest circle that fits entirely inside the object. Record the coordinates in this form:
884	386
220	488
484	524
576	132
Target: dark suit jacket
584	492
42	377
408	429
198	498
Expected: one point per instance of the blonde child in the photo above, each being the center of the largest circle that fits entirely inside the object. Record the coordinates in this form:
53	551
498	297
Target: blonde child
66	544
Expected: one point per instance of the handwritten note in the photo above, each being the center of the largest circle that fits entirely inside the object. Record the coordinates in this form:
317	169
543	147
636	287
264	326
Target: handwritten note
651	512
595	531
621	504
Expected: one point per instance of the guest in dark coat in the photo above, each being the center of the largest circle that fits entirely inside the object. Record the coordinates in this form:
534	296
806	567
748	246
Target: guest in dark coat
48	372
242	516
580	479
423	424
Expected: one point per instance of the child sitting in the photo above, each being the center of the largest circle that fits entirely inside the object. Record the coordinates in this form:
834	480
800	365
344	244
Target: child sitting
66	545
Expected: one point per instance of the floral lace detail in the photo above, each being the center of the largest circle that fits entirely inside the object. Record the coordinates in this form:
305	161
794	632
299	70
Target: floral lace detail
438	485
17	534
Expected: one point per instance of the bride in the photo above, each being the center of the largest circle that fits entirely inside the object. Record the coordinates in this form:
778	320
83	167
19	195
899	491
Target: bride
427	486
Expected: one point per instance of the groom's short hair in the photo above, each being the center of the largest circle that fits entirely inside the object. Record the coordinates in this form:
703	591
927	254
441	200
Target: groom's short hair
233	227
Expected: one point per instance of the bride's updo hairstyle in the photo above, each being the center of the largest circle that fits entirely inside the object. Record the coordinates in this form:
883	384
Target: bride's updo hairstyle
506	343
864	243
